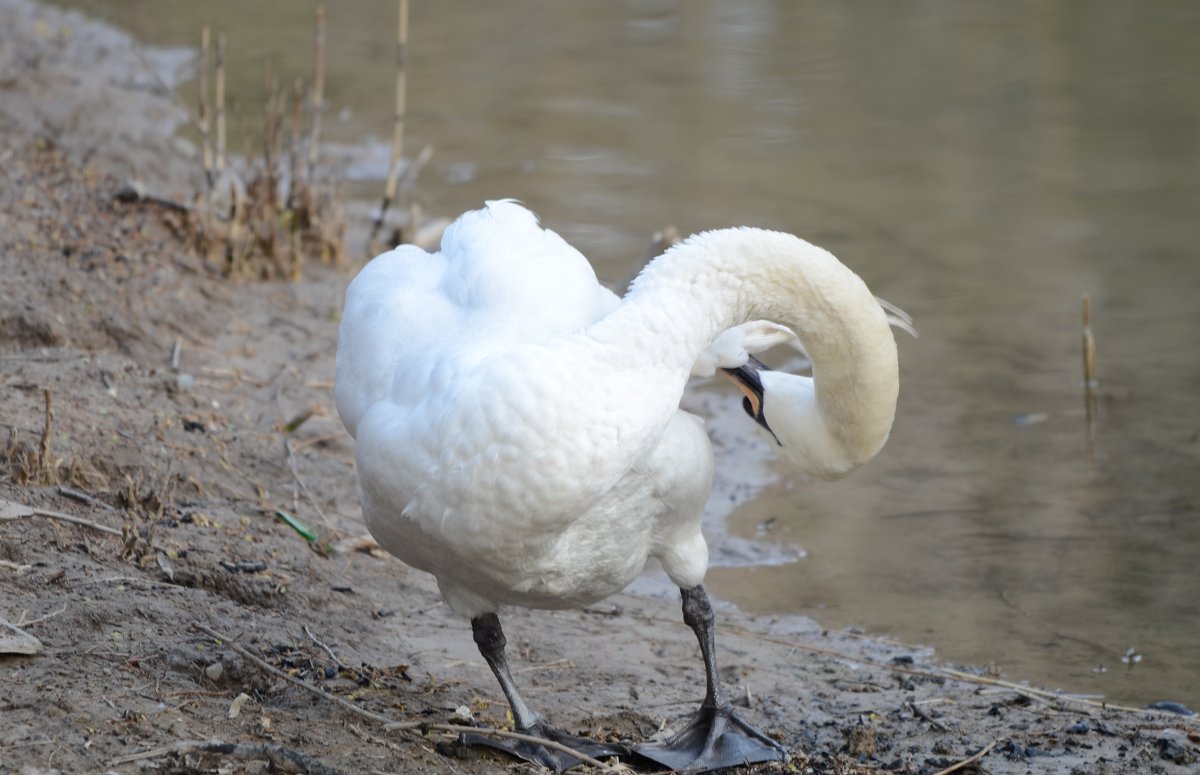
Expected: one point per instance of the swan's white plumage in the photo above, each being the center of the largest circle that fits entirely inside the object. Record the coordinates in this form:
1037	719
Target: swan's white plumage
518	431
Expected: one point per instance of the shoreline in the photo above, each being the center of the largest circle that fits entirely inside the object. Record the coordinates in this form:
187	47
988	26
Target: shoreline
121	412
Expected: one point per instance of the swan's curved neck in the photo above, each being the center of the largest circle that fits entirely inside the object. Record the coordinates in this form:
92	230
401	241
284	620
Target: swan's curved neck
719	279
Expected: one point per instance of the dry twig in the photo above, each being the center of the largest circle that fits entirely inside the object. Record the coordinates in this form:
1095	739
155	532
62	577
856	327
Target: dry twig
267	667
18	510
324	648
969	760
923	714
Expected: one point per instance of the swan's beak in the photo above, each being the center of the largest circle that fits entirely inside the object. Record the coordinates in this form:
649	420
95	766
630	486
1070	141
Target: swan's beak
746	378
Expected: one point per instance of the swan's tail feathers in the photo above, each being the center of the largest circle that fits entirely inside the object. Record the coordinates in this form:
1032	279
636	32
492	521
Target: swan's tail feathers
898	318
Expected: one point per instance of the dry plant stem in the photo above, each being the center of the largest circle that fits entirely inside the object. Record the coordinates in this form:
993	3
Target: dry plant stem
219	99
75	520
280	758
40	619
1089	377
389	191
318	88
44	449
294	153
262	665
324	648
1089	345
399	118
1039	694
924	716
83	497
205	52
969	760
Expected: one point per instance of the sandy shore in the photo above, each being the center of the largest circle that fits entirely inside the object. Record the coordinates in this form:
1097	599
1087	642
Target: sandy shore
183	468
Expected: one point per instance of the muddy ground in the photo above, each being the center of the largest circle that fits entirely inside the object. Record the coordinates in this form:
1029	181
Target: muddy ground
171	392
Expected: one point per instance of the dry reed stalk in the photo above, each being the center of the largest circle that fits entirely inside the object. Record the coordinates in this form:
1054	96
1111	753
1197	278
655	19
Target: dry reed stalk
44	462
1089	345
220	103
1089	377
297	210
294	148
318	88
205	139
393	178
235	257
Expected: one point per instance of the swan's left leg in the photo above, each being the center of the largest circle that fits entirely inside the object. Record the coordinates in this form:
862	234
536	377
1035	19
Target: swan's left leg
490	639
716	737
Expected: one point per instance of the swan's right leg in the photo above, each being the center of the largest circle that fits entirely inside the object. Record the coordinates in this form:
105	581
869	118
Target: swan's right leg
490	639
716	737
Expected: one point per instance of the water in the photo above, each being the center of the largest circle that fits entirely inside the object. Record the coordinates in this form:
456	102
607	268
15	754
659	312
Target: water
983	166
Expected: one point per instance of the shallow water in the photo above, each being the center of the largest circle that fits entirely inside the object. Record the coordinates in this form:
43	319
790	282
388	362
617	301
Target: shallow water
982	166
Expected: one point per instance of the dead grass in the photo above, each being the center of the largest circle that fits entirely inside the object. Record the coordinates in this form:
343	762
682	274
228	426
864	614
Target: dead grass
265	214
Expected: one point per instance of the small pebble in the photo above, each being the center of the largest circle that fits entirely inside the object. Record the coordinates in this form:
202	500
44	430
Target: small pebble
214	671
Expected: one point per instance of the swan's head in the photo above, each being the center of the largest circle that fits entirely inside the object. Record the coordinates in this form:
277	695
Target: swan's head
785	406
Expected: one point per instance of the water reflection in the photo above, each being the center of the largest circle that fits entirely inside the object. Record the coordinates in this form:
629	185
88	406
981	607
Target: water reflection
981	165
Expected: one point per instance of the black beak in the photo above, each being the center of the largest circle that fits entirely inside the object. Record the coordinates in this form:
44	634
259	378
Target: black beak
746	378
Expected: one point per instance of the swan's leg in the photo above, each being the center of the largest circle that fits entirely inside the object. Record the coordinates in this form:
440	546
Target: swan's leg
716	737
490	639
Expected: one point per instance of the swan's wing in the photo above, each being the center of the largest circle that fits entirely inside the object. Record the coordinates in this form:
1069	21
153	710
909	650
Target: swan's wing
509	273
394	312
412	318
442	378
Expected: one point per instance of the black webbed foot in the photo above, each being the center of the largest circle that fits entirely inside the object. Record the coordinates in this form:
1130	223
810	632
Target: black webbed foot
714	739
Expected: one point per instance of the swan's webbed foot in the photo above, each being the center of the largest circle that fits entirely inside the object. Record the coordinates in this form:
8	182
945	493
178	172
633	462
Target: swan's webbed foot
714	739
550	758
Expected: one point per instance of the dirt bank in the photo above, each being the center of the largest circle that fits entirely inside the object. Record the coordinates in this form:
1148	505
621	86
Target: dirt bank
170	394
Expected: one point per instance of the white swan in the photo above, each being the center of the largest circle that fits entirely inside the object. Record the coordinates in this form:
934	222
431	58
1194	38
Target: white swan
519	434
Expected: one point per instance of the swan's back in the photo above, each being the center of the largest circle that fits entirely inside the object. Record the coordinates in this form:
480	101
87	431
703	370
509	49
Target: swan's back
414	321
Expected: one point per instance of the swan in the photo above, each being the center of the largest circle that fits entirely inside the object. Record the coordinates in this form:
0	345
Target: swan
518	432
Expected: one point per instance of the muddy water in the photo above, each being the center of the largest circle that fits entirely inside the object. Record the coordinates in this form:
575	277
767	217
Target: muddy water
981	166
